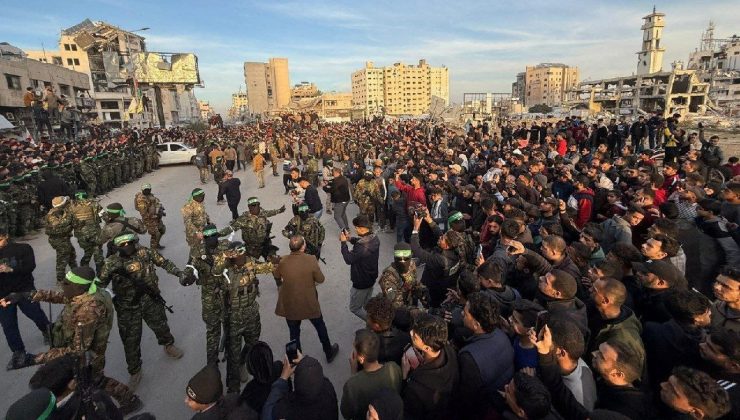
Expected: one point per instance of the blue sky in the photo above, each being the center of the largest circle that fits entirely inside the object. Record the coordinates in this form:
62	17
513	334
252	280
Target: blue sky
484	43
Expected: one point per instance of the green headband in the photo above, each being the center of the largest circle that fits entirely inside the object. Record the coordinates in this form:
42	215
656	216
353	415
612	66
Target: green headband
197	193
120	212
210	232
303	208
402	253
455	217
74	278
253	201
49	408
146	187
123	239
81	195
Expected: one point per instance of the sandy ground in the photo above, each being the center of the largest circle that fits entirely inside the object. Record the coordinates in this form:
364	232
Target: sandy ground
163	384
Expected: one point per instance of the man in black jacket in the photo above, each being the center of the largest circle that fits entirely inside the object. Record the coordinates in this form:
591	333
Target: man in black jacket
363	261
17	262
311	197
51	186
229	187
393	342
443	266
338	187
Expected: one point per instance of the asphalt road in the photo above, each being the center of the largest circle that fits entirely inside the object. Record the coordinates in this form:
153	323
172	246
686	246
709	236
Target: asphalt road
163	384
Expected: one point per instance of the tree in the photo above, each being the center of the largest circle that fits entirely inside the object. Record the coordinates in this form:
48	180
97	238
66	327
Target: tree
540	109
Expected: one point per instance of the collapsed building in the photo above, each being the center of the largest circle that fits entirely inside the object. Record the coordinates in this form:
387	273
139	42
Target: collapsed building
651	89
717	62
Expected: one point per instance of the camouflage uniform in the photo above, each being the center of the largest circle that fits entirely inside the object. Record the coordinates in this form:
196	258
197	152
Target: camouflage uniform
211	298
218	170
255	232
194	217
102	166
87	230
6	201
89	178
312	171
399	288
151	211
20	200
59	225
242	285
274	156
133	305
84	325
312	231
366	195
117	174
118	226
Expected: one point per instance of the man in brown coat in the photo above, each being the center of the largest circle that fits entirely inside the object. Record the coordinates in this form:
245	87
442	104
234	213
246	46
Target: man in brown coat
297	275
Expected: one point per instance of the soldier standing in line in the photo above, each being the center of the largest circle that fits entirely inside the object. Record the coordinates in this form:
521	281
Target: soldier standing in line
398	281
308	226
202	258
194	216
151	211
242	322
18	197
59	226
312	170
274	157
138	298
255	229
83	325
367	194
201	162
87	228
87	173
117	223
9	219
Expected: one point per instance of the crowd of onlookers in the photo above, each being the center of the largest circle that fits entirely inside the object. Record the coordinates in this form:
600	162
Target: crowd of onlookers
570	271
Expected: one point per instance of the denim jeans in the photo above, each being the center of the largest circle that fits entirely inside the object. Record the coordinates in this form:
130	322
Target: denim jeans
318	214
357	300
318	323
401	226
9	321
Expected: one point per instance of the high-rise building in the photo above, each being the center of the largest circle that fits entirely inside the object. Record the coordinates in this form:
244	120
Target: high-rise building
399	89
268	85
546	83
239	104
650	58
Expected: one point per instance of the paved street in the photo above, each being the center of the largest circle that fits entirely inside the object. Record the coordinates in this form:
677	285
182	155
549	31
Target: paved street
164	380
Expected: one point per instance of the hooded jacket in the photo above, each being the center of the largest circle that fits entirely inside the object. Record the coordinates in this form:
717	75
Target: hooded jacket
313	395
585	199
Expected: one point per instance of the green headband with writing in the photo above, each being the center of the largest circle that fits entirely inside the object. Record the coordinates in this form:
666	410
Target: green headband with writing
402	253
119	212
74	278
210	232
455	217
122	239
197	193
303	208
253	201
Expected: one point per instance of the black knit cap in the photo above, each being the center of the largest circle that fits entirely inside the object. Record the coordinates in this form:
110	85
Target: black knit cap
205	387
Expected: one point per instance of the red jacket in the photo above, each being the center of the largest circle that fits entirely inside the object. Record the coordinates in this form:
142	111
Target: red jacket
562	147
585	206
412	194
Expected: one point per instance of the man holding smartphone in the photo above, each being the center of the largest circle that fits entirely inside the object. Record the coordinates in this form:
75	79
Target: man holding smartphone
363	261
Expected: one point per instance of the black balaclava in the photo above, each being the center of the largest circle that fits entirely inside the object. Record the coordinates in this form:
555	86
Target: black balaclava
402	257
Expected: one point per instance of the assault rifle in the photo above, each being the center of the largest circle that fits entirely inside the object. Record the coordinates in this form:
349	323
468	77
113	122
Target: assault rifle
143	288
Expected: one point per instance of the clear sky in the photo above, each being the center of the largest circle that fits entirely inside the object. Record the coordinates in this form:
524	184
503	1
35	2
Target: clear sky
484	43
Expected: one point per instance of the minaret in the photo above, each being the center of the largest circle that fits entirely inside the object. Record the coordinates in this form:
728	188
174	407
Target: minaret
650	59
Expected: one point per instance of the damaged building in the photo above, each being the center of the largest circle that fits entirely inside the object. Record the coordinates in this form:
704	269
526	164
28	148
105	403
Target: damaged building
651	89
717	62
120	73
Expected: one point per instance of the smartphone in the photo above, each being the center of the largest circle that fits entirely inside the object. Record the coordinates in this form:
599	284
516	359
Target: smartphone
543	317
511	249
291	350
479	252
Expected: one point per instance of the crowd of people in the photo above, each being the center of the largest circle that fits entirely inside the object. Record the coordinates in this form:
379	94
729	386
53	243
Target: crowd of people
541	271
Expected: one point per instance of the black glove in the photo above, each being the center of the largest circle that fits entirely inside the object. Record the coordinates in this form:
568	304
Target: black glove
16	297
187	277
282	208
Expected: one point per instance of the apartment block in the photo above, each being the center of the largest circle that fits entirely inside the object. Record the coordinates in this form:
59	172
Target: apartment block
399	89
268	85
546	83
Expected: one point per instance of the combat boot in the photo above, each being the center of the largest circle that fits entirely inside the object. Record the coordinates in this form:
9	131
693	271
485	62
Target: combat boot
134	381
133	405
173	351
